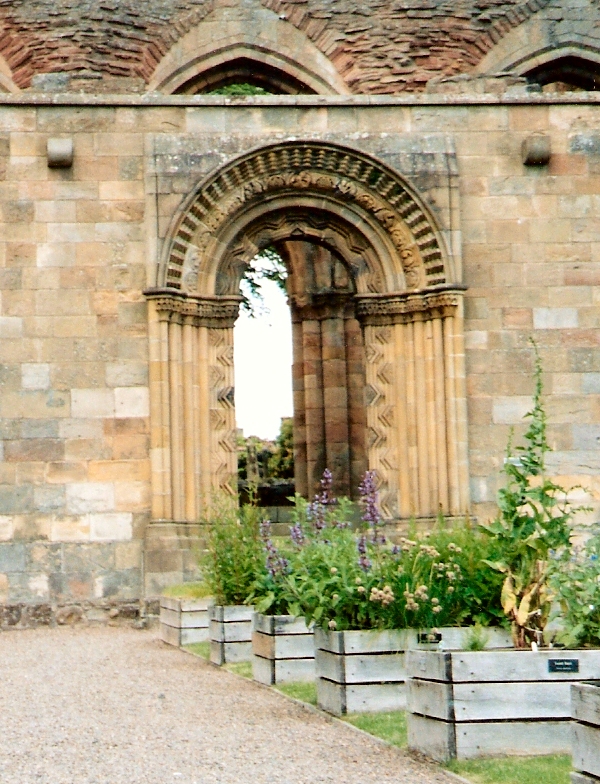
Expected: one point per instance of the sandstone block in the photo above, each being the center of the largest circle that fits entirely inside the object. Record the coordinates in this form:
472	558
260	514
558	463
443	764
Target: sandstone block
132	402
66	528
35	375
11	327
85	497
6	528
555	318
110	527
92	403
510	410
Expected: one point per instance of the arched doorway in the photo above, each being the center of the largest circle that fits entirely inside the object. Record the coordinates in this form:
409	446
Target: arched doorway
377	312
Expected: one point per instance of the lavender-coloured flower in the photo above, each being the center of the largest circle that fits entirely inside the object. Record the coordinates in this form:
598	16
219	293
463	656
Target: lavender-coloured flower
277	565
297	534
363	560
369	500
323	500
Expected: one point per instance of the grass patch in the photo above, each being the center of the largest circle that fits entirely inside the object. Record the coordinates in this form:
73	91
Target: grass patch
240	668
389	726
199	649
553	769
198	590
305	692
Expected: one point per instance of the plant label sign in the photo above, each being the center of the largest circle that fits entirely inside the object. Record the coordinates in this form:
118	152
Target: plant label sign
429	637
563	665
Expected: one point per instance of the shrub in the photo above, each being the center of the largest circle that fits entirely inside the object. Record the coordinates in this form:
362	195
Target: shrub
233	558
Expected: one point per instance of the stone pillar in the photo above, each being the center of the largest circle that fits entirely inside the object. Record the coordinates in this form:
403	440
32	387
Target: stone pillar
416	401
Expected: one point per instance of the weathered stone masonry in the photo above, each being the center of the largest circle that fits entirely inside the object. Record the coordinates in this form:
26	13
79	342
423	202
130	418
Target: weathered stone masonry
100	471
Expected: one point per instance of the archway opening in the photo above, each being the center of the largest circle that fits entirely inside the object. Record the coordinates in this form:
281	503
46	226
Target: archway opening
327	428
248	73
566	74
263	384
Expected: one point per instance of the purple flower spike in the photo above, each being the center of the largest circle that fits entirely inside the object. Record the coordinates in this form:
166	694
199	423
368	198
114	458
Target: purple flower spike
277	565
363	560
297	535
369	500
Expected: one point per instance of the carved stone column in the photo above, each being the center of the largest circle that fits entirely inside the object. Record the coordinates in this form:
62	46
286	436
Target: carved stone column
193	447
416	401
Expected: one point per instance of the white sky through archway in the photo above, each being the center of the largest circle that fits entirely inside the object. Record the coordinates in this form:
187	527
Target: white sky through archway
263	366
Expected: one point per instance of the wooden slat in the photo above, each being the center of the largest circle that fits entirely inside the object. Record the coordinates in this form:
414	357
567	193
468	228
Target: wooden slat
491	701
586	749
512	737
230	613
430	698
431	737
508	666
428	665
585	703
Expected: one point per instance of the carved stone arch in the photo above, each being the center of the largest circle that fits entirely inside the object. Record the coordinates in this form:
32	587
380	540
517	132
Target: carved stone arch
353	187
377	317
219	44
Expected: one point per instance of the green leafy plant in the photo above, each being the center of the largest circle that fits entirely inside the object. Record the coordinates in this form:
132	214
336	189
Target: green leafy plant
534	520
233	558
576	583
342	579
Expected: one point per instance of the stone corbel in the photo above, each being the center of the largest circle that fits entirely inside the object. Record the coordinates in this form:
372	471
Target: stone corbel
408	307
212	312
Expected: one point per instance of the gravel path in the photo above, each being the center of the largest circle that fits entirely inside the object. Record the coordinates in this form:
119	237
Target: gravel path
117	706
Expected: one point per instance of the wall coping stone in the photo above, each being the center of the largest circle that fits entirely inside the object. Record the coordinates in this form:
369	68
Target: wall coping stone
156	100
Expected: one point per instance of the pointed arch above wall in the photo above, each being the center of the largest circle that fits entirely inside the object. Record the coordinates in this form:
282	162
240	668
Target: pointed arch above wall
530	48
246	33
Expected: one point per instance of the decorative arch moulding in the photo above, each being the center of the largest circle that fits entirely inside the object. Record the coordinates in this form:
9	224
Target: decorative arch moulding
208	250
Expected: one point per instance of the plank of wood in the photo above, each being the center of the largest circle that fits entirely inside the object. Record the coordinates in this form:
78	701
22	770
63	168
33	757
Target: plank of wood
280	624
585	703
230	613
433	738
494	701
507	666
170	634
428	665
331	697
375	697
586	749
263	670
294	670
189	636
430	698
481	739
240	631
369	641
226	652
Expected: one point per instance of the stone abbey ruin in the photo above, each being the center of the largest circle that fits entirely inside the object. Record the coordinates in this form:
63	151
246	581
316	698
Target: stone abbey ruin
429	171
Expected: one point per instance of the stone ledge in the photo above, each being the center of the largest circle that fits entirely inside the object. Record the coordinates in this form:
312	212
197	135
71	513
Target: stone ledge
140	614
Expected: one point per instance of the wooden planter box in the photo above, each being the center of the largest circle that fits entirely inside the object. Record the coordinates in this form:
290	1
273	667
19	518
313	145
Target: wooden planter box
585	710
183	621
468	704
283	649
360	671
363	671
230	633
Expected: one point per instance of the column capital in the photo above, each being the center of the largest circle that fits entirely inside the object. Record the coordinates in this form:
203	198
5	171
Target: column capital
406	307
214	312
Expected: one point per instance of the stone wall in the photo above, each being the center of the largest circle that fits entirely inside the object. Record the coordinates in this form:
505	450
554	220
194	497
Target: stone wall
374	47
79	245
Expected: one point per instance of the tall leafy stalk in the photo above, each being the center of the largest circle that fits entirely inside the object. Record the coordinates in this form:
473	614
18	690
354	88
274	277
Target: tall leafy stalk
534	520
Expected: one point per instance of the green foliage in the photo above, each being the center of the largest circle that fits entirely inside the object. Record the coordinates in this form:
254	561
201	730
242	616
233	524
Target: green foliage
281	462
476	638
201	649
305	692
266	265
576	583
244	669
534	520
342	580
240	89
553	769
233	558
197	590
390	726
